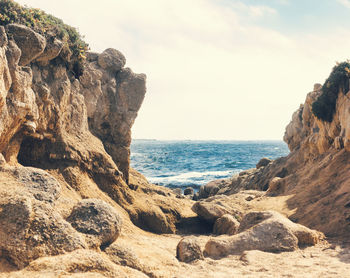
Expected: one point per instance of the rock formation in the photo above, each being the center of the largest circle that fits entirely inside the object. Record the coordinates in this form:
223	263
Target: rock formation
71	206
64	138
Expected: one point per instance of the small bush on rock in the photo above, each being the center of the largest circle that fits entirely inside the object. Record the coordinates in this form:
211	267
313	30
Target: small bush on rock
324	107
48	26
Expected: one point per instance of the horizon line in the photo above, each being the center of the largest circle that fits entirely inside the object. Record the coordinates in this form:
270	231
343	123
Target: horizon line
190	139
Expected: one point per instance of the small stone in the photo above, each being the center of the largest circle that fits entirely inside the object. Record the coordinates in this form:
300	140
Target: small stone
111	59
188	250
226	224
188	191
177	191
263	162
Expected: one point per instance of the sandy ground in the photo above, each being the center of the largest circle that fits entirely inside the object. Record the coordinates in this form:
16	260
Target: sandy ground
327	259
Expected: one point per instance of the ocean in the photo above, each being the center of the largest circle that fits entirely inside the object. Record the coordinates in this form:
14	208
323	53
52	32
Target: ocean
194	163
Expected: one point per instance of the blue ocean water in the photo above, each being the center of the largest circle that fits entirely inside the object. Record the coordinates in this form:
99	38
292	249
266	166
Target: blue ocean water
194	163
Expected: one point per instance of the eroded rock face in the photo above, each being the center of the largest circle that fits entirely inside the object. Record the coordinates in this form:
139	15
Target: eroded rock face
113	95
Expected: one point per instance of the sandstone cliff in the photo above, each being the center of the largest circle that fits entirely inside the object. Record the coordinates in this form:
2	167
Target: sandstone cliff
65	137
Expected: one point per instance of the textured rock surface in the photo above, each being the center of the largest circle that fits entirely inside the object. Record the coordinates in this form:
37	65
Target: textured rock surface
263	162
29	225
31	43
112	100
265	231
226	224
77	264
52	50
211	211
188	250
96	217
111	59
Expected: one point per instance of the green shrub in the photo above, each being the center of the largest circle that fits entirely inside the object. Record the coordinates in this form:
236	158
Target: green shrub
47	25
324	107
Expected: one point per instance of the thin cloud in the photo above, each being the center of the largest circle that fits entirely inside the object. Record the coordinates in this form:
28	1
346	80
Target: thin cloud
253	11
345	3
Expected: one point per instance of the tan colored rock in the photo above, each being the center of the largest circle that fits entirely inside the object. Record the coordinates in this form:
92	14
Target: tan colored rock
304	235
81	263
111	59
122	254
29	227
264	231
263	162
3	37
52	50
276	186
208	211
211	188
97	218
112	103
226	224
31	43
339	143
188	250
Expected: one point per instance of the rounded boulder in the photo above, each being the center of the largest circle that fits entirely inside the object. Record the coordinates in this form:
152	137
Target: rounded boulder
97	218
111	59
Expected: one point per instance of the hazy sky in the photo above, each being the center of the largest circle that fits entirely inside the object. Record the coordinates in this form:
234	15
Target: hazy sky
216	69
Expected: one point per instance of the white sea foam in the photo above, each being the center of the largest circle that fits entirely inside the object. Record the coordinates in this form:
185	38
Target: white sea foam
191	177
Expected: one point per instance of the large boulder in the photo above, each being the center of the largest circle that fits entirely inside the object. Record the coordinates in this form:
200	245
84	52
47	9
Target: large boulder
304	235
188	250
29	226
97	218
111	59
31	43
265	231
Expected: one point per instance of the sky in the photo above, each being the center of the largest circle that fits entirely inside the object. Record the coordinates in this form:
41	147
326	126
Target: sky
216	69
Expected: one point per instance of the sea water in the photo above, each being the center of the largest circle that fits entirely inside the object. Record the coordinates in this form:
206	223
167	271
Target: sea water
194	163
